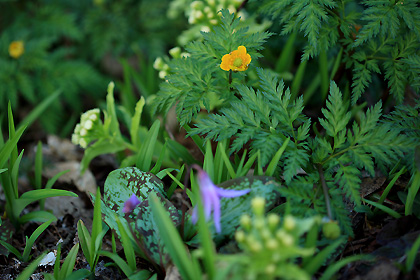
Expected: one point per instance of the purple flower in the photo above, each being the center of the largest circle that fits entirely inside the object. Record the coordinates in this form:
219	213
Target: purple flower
130	204
210	195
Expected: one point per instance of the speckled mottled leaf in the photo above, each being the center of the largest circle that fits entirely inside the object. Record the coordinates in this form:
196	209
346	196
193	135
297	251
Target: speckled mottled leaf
146	226
6	232
233	208
120	185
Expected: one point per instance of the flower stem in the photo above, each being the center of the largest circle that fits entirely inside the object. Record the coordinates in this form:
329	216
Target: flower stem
325	189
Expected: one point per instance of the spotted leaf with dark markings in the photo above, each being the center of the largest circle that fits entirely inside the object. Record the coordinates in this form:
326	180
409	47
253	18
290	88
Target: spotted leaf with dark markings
146	226
120	185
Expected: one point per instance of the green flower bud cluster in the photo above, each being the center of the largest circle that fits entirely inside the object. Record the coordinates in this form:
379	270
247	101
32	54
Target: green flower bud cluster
331	230
270	241
161	64
89	129
204	13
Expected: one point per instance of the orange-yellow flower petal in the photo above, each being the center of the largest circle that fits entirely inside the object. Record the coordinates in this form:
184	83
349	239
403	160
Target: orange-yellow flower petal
237	60
225	65
16	49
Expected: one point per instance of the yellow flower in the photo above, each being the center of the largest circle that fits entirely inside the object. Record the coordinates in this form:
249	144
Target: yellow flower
16	49
237	60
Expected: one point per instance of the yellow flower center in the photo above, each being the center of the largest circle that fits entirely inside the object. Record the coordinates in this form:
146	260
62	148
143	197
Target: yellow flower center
237	62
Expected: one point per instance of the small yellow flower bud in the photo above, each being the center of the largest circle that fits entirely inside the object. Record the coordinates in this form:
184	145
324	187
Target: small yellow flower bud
213	21
259	223
284	238
255	246
175	52
16	49
198	14
207	9
258	205
245	222
231	9
158	64
196	5
272	244
265	234
331	230
205	28
240	236
273	220
289	223
270	269
211	2
185	55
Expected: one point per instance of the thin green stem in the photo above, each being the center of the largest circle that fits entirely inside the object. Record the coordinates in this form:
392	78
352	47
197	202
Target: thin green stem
325	189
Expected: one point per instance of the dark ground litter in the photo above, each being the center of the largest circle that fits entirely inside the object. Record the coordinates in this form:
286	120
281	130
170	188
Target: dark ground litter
384	237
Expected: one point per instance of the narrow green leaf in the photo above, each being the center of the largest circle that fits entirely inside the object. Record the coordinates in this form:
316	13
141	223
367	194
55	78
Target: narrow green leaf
227	162
173	242
119	261
35	195
38	165
206	241
412	192
145	155
12	249
29	270
68	264
96	243
382	207
158	164
127	246
321	257
333	268
411	255
10	144
135	122
85	240
79	275
37	216
32	239
38	110
275	160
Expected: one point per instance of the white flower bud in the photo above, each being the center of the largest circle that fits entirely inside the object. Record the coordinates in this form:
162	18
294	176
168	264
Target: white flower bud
158	64
245	221
83	143
240	236
258	205
289	223
83	132
88	125
175	52
196	5
162	74
205	28
270	269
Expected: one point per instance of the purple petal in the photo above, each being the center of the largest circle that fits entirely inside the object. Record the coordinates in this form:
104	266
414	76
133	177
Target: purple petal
206	199
216	213
231	193
194	216
130	204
